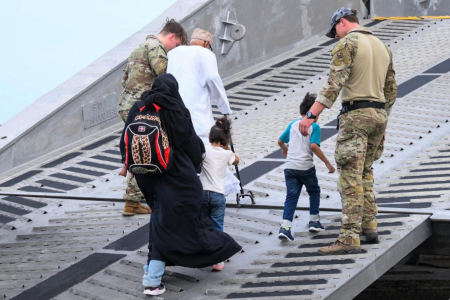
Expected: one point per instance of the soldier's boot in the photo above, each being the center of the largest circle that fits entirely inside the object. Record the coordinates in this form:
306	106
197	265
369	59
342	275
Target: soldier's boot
135	208
338	248
133	196
371	235
371	232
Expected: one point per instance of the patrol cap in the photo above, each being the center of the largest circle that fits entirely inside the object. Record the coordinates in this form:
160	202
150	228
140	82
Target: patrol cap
338	14
200	34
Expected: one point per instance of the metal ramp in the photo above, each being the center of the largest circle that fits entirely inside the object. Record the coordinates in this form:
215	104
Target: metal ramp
264	268
267	267
44	239
297	271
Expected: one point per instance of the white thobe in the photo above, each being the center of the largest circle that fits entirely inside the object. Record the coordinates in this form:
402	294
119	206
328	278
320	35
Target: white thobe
199	83
195	69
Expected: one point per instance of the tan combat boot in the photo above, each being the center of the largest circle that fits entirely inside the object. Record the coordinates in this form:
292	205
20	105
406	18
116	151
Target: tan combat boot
371	235
338	248
370	231
135	208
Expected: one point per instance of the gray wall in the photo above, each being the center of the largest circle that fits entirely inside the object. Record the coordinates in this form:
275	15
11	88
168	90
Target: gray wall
67	125
61	127
392	8
272	27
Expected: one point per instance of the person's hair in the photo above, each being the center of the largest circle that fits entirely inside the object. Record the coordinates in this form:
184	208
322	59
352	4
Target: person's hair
307	102
352	18
173	26
221	132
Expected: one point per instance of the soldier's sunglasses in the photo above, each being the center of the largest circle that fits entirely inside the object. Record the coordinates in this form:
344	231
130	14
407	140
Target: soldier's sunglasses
333	31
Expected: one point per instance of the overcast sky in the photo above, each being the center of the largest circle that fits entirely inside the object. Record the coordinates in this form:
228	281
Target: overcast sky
46	42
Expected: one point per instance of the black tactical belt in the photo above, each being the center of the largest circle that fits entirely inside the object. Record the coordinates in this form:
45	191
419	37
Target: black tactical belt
347	106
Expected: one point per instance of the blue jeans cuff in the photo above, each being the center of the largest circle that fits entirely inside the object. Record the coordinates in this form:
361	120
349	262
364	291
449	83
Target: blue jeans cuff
155	272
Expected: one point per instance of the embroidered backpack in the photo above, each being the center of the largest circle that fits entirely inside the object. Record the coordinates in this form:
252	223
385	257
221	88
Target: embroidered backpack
147	146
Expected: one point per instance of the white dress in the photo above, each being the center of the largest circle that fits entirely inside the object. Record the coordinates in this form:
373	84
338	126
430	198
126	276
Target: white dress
195	69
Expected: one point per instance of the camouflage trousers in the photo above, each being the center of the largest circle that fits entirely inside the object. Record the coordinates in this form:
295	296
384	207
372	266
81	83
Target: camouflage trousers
132	193
358	145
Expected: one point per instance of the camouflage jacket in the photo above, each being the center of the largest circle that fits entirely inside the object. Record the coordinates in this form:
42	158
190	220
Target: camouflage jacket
344	62
145	64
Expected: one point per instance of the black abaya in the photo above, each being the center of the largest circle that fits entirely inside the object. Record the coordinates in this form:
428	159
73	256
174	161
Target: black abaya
179	235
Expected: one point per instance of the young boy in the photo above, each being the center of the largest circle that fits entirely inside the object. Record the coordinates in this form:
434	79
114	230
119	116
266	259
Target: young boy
300	170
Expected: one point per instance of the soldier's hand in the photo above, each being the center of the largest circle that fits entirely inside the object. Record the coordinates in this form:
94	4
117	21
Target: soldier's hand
123	171
284	152
305	123
330	167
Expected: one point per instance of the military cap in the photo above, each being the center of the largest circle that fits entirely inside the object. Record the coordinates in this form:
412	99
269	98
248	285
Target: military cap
338	14
200	34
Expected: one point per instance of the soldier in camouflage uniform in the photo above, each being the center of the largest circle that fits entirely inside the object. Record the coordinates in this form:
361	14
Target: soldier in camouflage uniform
362	67
146	62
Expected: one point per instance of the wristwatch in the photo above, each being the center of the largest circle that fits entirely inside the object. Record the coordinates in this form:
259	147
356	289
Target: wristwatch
310	115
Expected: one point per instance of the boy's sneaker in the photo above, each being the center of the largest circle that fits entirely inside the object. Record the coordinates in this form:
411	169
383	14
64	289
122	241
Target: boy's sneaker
155	290
285	234
315	226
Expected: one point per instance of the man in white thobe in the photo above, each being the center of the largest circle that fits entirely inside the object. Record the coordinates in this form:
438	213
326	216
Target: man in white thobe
195	69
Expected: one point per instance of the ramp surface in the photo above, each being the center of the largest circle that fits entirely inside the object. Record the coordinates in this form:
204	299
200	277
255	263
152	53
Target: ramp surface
45	240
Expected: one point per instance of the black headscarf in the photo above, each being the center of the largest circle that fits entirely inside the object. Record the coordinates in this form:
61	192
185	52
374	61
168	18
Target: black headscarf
174	114
164	93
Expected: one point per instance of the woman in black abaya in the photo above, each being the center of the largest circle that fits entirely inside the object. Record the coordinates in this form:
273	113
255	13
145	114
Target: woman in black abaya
179	235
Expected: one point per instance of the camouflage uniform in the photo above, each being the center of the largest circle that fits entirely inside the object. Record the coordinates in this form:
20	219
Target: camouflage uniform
145	64
359	142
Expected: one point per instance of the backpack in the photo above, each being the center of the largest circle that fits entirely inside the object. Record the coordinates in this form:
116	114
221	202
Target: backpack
147	146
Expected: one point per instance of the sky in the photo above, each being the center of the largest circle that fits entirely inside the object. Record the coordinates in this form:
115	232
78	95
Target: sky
46	42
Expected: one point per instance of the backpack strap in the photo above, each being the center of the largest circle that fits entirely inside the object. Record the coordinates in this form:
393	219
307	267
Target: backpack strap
141	105
158	108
